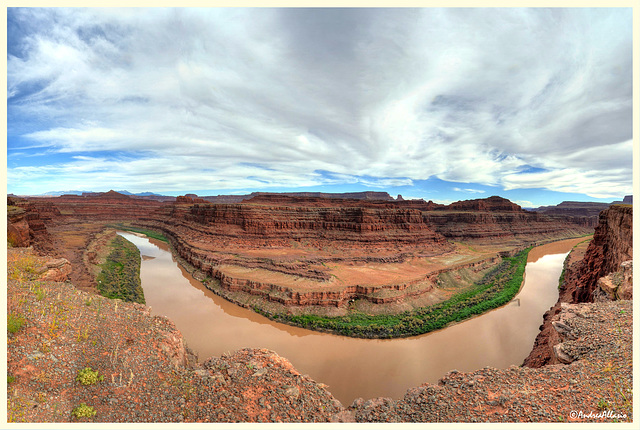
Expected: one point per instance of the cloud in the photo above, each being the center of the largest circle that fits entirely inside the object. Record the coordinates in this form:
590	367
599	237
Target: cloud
376	97
599	184
468	190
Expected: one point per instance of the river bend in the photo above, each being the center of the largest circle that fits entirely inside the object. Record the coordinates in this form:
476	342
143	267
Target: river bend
352	367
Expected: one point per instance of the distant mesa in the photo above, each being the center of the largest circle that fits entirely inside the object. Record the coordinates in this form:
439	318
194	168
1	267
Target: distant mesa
574	208
363	195
63	193
586	213
189	199
113	195
490	204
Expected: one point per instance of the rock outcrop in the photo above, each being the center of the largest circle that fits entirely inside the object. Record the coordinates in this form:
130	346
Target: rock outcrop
491	204
490	226
617	285
612	244
189	200
17	227
26	223
56	270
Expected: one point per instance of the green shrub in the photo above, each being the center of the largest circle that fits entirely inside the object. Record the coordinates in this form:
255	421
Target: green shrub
87	376
14	323
83	411
603	404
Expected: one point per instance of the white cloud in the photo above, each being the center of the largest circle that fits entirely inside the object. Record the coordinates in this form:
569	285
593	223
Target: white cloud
468	190
598	184
394	96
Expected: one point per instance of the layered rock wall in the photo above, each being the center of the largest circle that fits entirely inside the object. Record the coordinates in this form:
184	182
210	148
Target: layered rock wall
298	223
528	226
109	208
26	223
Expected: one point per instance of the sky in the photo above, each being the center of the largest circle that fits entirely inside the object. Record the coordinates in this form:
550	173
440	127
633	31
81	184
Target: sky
444	104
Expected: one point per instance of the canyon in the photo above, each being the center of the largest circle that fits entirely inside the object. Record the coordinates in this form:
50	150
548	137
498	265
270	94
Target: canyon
150	375
304	254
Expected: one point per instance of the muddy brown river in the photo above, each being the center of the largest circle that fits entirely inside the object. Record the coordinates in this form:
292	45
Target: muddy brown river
351	367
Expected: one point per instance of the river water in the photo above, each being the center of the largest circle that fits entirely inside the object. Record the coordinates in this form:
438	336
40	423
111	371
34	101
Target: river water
351	367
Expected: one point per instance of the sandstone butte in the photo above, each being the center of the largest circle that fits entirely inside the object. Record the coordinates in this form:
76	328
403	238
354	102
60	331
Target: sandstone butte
289	239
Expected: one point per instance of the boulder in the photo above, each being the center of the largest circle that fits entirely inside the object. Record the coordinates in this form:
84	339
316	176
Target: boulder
57	270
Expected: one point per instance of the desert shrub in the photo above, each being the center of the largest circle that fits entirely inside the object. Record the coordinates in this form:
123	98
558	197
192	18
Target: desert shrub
83	411
14	322
87	376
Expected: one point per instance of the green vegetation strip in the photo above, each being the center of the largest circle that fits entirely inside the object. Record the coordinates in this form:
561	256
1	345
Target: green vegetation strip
120	276
496	290
150	233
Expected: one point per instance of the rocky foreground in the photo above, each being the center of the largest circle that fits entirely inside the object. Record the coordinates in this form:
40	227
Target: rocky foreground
146	374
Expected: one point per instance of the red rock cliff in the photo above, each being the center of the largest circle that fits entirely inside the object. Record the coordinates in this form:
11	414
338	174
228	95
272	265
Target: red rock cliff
612	244
17	227
325	223
26	223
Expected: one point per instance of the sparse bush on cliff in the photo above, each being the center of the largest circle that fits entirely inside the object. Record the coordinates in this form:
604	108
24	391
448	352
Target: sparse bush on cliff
87	376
